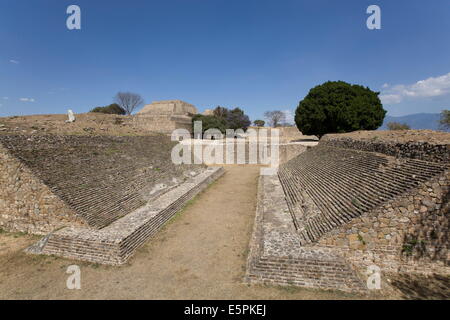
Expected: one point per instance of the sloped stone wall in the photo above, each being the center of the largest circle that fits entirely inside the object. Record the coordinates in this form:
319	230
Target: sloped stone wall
100	178
116	243
343	184
421	150
165	116
345	210
408	234
26	203
164	124
277	257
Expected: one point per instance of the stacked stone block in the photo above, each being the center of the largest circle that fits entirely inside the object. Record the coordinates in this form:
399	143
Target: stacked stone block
98	179
277	256
346	205
116	243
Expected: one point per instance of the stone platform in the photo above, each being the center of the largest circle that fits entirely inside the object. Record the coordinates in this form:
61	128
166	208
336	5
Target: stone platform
277	256
345	207
53	181
116	243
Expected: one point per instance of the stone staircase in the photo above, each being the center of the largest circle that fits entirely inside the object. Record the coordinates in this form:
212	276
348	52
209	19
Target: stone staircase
327	186
276	256
102	178
117	242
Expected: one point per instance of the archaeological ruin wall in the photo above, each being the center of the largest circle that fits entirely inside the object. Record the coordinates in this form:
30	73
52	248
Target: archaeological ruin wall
408	231
165	116
27	204
95	198
50	181
117	242
358	203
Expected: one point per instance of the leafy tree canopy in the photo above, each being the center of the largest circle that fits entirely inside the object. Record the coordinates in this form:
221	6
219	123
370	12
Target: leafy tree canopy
223	119
259	123
220	112
236	119
210	122
397	126
338	107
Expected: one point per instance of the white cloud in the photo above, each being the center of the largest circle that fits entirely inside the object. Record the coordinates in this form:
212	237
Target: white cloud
14	61
431	87
5	98
391	98
386	85
27	99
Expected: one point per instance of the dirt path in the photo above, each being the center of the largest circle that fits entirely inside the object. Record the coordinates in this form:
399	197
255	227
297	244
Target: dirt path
200	254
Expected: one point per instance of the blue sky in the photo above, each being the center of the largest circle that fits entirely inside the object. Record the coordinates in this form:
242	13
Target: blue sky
258	55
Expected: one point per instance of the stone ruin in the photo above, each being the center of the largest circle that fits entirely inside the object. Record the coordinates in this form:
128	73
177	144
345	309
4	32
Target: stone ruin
208	112
347	205
332	211
166	116
97	198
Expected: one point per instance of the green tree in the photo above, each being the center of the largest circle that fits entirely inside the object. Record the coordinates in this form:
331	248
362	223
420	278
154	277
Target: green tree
111	109
398	126
445	119
259	123
237	119
338	107
209	122
223	119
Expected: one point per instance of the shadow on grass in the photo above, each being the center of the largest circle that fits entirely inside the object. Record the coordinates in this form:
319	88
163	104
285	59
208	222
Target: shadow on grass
417	287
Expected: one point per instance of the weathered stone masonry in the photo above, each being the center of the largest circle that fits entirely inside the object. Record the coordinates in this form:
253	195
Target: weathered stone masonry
387	205
94	179
165	116
116	243
26	203
98	197
414	150
276	256
408	234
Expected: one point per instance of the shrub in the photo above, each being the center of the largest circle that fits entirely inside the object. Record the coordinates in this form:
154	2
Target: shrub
397	126
259	123
445	119
220	112
111	109
209	122
338	107
236	119
223	119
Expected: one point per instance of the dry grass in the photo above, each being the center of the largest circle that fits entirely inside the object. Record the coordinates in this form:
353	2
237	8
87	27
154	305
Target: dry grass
86	124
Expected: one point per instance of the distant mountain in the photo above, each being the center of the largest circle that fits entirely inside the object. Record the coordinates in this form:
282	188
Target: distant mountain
415	121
